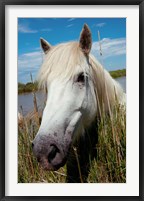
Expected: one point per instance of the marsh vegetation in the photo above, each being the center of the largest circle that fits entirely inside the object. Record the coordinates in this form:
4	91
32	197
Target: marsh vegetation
108	167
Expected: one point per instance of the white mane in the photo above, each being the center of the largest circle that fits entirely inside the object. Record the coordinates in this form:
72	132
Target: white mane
63	60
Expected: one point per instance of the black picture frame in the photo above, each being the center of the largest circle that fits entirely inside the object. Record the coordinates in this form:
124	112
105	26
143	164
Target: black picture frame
3	3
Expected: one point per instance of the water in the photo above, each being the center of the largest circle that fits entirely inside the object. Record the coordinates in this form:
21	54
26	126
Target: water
122	81
26	100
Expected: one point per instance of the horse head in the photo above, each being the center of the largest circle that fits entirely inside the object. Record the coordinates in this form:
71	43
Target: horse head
71	103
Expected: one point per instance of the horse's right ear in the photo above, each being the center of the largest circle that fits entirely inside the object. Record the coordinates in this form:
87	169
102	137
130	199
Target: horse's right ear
85	41
45	45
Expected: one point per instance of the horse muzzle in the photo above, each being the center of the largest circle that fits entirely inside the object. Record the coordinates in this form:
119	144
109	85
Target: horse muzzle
50	153
52	149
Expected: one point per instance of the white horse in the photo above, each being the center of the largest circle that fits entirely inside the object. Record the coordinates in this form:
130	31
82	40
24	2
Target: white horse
79	92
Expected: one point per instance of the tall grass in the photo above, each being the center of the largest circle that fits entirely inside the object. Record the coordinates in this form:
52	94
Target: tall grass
109	166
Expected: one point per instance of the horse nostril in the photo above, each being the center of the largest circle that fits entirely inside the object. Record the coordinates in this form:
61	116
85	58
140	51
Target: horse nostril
53	151
32	145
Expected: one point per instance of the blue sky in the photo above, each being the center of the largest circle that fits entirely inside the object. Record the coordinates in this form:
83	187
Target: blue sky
58	30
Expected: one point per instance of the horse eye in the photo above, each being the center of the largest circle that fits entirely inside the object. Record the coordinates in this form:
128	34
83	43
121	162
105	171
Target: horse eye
81	78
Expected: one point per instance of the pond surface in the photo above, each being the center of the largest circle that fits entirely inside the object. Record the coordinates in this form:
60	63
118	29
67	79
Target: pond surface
122	81
26	100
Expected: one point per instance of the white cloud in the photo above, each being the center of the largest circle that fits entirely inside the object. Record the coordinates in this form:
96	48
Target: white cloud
70	25
25	29
99	24
31	62
110	47
71	19
31	54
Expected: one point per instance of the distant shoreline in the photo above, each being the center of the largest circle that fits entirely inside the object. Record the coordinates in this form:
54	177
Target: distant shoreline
118	73
30	87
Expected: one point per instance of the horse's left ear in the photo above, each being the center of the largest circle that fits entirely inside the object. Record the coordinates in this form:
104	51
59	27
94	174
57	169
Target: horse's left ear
45	45
85	42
